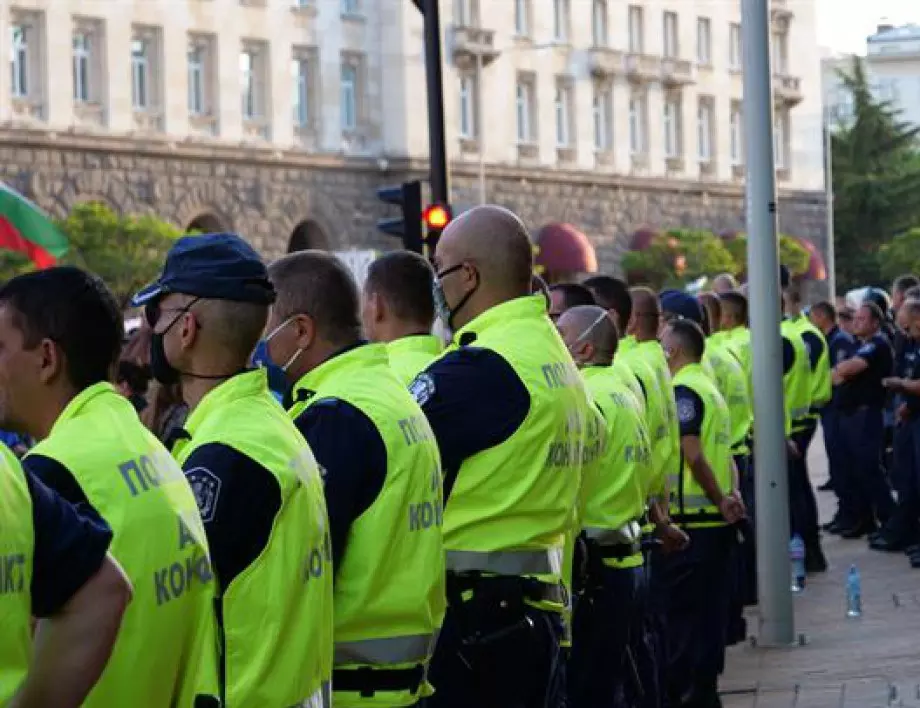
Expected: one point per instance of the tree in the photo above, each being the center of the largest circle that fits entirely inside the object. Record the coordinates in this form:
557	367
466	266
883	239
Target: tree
901	255
792	254
876	182
677	257
127	252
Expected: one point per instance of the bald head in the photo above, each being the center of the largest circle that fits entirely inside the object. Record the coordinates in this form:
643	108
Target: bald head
590	334
646	312
495	240
724	283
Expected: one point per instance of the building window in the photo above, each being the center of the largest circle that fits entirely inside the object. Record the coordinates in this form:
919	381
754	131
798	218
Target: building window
779	53
636	30
349	7
254	80
82	66
671	36
19	60
300	91
522	18
141	60
672	127
734	46
705	124
603	118
350	88
637	122
525	108
599	23
563	108
468	99
781	140
466	13
197	74
703	41
737	134
201	82
560	20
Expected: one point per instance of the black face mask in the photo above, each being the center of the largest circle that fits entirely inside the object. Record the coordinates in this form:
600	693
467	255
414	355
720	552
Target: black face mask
442	309
162	370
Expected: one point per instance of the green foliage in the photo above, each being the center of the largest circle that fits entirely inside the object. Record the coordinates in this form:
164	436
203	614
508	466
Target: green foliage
900	256
127	252
679	256
792	254
876	182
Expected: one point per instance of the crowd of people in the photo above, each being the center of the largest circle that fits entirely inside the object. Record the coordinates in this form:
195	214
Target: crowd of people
285	490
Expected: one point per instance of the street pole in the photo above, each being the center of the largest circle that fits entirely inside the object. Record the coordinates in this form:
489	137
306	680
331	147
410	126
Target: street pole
772	513
829	187
480	94
440	189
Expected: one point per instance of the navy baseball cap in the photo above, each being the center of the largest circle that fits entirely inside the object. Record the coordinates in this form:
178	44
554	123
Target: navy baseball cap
684	305
212	266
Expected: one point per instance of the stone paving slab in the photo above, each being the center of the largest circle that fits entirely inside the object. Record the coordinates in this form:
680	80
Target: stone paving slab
845	663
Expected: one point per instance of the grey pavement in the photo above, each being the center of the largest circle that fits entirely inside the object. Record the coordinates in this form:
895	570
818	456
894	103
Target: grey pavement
868	662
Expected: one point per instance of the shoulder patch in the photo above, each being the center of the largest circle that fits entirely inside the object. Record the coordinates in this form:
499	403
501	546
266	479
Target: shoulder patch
686	410
422	388
206	486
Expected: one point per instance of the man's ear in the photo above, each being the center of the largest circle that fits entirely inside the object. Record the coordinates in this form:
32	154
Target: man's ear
378	307
51	360
304	330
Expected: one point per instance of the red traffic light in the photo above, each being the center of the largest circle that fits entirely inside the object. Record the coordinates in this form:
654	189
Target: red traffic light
437	216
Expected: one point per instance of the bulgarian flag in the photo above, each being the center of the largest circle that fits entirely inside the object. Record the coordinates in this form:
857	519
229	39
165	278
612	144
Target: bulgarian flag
26	229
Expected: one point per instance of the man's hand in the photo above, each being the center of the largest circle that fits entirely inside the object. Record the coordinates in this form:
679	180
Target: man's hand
836	378
672	538
732	508
893	383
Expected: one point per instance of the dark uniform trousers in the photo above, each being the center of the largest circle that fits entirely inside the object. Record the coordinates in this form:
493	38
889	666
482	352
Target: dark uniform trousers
698	582
605	622
744	573
902	526
496	651
649	650
865	493
830	426
803	506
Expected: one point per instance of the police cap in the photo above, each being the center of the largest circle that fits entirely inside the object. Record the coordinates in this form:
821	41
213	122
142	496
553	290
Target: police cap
212	266
681	304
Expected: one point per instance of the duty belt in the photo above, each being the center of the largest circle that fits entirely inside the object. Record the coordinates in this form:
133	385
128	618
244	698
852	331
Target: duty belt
536	562
367	681
503	588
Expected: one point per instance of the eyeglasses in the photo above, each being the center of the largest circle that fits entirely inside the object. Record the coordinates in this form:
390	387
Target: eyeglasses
153	311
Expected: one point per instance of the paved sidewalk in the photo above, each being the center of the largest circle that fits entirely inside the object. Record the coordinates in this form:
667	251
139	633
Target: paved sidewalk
869	662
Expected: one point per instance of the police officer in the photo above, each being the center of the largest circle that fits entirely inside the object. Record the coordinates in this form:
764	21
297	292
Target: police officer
382	481
907	387
256	482
509	411
841	345
94	451
724	283
54	567
804	504
865	497
613	295
705	503
734	310
398	310
608	615
565	296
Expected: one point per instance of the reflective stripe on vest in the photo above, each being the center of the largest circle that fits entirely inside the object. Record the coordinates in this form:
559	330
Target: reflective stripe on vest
393	650
626	534
547	562
321	698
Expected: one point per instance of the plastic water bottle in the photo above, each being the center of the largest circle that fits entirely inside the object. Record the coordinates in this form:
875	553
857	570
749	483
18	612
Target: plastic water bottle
854	593
797	560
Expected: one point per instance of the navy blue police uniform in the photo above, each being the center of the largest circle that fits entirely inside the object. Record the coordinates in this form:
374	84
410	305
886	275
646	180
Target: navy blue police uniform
865	495
841	346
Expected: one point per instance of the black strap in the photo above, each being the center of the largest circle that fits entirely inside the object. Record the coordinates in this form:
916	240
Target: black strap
619	550
368	681
502	586
702	517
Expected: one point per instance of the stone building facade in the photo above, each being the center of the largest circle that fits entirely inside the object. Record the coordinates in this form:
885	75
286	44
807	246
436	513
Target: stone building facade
285	201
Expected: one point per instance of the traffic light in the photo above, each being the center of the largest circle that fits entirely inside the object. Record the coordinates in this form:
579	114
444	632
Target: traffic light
407	196
436	218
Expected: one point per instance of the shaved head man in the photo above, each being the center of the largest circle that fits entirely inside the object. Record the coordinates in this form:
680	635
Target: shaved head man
505	404
586	330
724	283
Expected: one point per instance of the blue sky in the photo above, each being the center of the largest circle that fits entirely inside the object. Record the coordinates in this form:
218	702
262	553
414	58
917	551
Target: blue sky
843	25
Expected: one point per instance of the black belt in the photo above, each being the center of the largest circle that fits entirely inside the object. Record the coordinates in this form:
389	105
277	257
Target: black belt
618	550
703	517
368	681
501	586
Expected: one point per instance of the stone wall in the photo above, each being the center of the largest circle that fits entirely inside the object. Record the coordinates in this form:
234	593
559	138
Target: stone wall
265	195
